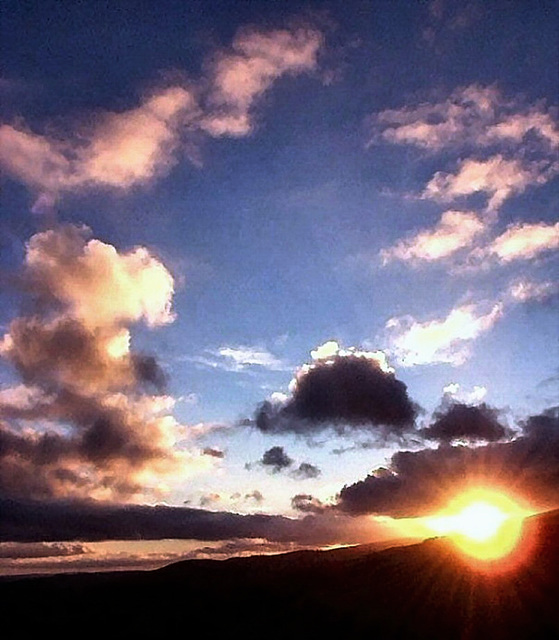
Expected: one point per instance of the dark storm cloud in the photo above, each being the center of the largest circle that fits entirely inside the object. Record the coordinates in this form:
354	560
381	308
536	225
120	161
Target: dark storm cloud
416	483
344	391
464	422
34	521
276	458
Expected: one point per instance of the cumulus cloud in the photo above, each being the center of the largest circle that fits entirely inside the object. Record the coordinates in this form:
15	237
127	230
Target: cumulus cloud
121	150
90	418
497	176
341	389
454	392
276	458
454	231
418	483
447	340
464	422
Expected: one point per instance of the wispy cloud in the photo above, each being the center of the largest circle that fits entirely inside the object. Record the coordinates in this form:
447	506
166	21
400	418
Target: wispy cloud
525	241
121	150
454	231
240	358
472	116
446	340
498	177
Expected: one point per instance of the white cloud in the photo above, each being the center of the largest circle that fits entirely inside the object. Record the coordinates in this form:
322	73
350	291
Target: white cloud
454	231
331	349
256	60
130	148
446	340
246	356
524	290
99	285
525	241
454	391
472	115
497	176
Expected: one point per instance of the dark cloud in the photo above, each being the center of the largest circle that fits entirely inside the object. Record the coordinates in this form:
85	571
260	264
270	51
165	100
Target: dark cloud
214	453
419	482
50	521
307	503
305	470
255	495
15	550
276	458
210	499
344	391
464	422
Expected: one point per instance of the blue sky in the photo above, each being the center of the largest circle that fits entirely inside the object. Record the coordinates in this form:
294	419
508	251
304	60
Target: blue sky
204	193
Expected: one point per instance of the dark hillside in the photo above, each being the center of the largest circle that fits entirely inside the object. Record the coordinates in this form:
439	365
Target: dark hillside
417	591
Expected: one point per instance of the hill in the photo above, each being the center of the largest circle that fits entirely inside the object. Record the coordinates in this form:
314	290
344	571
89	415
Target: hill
422	590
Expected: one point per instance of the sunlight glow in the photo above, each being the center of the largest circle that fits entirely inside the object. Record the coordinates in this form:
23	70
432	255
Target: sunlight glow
483	524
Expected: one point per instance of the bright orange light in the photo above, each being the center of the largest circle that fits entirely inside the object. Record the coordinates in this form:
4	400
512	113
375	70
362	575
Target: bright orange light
485	525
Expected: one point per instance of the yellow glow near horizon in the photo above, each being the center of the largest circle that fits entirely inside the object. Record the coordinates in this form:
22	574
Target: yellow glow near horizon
485	525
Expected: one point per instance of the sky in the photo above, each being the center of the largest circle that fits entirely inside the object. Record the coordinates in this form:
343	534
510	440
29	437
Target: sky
273	274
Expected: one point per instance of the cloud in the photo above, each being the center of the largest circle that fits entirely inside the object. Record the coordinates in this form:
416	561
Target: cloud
240	358
464	422
498	177
341	389
474	115
306	503
420	482
215	453
90	418
276	458
440	341
455	230
524	290
255	495
50	521
242	74
453	392
119	150
306	471
18	550
122	150
524	241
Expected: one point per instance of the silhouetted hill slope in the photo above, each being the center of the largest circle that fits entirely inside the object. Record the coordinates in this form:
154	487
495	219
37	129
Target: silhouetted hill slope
419	591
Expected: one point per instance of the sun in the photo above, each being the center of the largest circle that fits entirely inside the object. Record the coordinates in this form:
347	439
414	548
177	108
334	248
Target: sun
484	524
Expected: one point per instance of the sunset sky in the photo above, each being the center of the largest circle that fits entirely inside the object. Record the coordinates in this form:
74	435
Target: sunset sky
277	259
